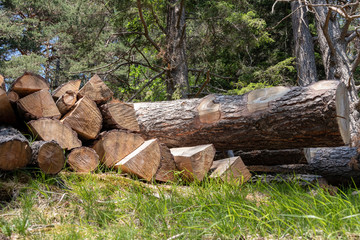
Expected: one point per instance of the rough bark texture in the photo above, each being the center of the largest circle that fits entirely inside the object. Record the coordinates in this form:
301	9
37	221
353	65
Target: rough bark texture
96	90
15	151
7	115
272	118
66	101
83	159
49	129
167	165
38	105
28	83
61	90
48	156
143	161
85	119
230	170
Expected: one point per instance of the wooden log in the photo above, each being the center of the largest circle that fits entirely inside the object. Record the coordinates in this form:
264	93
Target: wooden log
2	82
68	86
50	129
48	156
83	159
15	151
85	118
167	166
38	105
66	101
119	115
114	145
230	170
143	161
271	118
13	97
29	83
195	162
96	90
7	115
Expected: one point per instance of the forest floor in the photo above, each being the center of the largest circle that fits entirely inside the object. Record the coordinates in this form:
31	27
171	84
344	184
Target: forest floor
111	206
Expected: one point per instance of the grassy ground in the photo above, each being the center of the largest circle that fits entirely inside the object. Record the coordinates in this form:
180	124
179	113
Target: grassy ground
110	206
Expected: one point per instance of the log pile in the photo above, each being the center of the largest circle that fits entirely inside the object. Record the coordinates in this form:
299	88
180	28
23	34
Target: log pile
165	140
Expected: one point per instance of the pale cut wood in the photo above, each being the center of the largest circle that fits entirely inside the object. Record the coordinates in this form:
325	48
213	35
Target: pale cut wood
85	119
13	97
195	162
167	167
7	115
15	151
230	170
83	159
66	101
28	83
61	90
50	129
114	145
38	105
48	156
2	82
143	161
96	90
119	115
278	118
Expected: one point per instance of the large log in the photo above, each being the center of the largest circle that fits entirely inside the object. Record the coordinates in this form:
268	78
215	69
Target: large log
7	115
167	166
230	170
83	159
68	86
272	118
96	90
15	151
28	83
48	156
50	129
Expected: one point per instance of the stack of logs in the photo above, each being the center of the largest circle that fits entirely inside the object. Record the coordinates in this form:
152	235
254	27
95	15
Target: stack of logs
154	140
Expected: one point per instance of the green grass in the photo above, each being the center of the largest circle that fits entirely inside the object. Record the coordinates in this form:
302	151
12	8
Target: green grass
109	206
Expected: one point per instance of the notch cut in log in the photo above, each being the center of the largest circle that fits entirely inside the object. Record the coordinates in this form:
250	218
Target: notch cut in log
50	129
230	170
7	115
38	105
68	86
167	166
83	159
85	119
114	145
66	101
119	115
143	161
29	83
15	151
2	82
195	162
96	90
48	156
278	118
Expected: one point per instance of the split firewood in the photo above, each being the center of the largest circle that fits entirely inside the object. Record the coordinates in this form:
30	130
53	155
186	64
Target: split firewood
48	156
83	159
2	82
50	129
195	162
143	161
119	115
271	118
230	170
96	90
62	89
15	151
38	105
7	115
28	84
167	167
85	118
114	145
13	97
66	101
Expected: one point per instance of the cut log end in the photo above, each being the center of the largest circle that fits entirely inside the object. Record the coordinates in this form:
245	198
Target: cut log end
167	167
83	159
343	112
259	99
230	170
48	156
29	83
61	90
209	112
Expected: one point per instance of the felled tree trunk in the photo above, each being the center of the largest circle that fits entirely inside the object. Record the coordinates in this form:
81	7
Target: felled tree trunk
48	156
83	159
272	118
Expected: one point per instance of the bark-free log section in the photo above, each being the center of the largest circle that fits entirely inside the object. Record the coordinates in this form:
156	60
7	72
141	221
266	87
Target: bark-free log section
15	151
7	115
68	86
143	161
96	90
271	118
114	145
38	105
48	156
85	119
83	159
28	83
230	170
195	162
49	129
119	115
66	101
167	167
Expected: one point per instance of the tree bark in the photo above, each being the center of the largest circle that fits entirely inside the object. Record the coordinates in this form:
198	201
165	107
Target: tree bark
48	156
272	118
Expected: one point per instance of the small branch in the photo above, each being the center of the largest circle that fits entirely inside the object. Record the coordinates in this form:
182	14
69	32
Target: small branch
353	35
146	85
180	13
356	63
325	29
204	84
157	19
142	55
